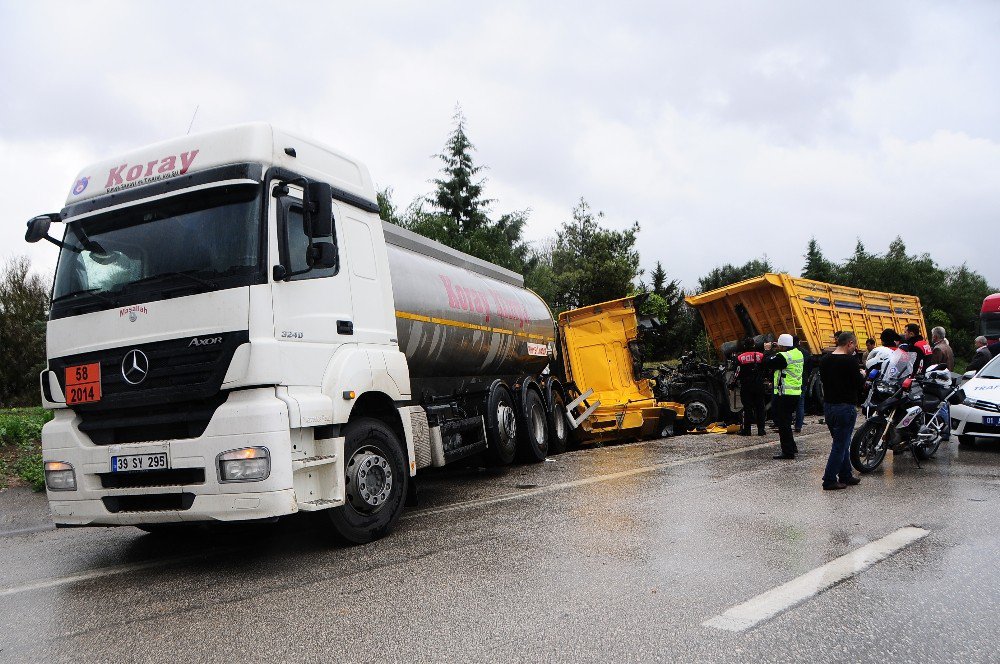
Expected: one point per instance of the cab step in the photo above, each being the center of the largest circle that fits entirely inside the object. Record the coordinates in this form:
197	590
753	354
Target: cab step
316	505
310	462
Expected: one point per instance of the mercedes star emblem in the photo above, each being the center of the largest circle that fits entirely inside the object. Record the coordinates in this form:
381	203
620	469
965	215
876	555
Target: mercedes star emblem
135	366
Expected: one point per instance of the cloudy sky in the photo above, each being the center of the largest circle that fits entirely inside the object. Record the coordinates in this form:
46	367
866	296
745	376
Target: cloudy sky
727	129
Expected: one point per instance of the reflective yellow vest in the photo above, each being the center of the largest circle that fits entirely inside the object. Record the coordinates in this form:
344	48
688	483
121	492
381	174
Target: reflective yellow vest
788	381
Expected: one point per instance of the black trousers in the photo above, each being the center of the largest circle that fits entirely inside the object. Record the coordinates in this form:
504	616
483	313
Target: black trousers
783	409
752	397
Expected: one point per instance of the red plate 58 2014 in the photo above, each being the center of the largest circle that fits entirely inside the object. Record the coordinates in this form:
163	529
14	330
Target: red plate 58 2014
83	383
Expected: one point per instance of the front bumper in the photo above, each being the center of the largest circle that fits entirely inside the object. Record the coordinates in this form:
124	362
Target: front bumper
247	418
968	421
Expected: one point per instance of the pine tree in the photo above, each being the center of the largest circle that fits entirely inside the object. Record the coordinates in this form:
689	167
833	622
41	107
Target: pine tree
817	267
458	193
658	278
459	212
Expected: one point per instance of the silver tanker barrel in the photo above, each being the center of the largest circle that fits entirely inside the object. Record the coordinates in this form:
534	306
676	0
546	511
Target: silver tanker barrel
462	319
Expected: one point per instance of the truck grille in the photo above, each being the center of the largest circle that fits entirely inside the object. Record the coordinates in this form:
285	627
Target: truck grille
177	398
142	424
154	502
151	478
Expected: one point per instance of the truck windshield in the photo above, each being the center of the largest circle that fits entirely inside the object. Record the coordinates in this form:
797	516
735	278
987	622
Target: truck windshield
192	242
991	325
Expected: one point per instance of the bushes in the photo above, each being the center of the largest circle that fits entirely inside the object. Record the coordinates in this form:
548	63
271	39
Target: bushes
30	469
21	447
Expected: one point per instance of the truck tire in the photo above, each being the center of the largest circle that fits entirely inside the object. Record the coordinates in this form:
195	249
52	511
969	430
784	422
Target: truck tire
700	408
557	425
533	433
814	402
376	484
501	425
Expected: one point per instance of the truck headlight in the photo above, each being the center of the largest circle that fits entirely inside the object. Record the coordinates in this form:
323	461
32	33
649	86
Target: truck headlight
247	464
60	476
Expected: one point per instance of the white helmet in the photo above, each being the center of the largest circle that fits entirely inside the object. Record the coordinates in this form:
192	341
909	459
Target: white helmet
939	375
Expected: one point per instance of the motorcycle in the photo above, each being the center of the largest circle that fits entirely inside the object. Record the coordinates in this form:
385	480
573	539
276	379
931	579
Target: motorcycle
904	414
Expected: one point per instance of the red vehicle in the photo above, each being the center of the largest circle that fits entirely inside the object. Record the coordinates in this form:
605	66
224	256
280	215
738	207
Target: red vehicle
989	317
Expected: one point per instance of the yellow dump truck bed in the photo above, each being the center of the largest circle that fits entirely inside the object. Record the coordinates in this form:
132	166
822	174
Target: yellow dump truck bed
596	356
813	310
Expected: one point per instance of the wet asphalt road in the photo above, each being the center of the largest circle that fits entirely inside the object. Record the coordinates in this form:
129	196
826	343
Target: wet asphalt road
616	554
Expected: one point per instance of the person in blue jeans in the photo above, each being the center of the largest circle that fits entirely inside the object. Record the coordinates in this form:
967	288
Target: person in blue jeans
842	381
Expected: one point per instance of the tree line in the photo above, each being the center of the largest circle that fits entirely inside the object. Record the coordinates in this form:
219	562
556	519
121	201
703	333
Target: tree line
584	263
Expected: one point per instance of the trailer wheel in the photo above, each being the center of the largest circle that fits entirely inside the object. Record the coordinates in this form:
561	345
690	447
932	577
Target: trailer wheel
376	483
558	427
501	425
700	408
533	435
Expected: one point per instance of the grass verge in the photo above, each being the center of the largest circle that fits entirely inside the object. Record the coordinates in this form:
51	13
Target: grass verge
21	447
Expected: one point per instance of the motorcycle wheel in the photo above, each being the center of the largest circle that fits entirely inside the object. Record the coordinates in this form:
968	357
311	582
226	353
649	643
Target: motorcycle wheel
867	447
924	452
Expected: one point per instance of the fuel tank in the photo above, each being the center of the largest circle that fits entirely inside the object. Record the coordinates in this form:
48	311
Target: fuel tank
459	316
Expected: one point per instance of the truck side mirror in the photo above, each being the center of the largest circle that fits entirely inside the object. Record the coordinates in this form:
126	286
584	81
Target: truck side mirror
321	255
38	228
318	209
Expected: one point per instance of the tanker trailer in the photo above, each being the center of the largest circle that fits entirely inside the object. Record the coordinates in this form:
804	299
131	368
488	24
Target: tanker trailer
477	346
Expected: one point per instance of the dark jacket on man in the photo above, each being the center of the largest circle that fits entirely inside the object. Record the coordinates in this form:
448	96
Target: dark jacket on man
980	359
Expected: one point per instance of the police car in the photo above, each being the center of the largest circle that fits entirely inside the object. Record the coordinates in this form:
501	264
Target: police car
979	415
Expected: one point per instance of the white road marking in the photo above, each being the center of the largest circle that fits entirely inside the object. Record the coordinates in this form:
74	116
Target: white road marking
98	573
584	482
767	605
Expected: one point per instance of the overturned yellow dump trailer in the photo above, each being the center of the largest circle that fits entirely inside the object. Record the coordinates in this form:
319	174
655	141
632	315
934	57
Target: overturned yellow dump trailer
813	310
600	354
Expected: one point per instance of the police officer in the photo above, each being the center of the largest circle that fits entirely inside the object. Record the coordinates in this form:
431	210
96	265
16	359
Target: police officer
787	363
750	374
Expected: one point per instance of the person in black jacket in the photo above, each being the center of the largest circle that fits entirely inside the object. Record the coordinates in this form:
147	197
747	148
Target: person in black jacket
981	357
750	374
800	413
842	382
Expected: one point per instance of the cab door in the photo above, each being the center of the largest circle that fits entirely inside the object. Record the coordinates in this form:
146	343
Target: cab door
313	311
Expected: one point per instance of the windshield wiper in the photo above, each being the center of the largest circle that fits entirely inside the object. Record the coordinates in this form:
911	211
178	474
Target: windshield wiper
93	292
169	275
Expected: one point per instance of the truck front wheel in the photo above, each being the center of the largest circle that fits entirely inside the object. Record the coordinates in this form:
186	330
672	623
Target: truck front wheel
700	408
376	483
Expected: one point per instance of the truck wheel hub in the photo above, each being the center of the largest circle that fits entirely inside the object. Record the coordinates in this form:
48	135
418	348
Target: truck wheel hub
538	422
506	422
697	412
369	480
560	423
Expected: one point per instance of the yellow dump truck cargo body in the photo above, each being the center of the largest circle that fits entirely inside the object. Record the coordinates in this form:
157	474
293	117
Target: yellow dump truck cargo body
813	310
594	342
